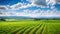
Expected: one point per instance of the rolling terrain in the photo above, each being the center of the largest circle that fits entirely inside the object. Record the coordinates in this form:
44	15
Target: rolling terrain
30	27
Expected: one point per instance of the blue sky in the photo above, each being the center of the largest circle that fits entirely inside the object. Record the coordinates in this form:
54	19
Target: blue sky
30	8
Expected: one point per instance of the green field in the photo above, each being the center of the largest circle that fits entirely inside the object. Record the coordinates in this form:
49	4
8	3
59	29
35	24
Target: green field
30	27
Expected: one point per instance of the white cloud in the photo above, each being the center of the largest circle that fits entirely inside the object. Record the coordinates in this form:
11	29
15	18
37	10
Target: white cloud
34	14
38	3
48	13
6	11
3	7
19	6
43	2
16	6
51	2
10	10
39	13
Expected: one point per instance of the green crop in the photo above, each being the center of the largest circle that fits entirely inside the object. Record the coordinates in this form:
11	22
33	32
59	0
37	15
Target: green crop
30	27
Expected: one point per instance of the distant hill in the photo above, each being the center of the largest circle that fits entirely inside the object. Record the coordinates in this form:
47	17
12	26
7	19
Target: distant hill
22	17
14	17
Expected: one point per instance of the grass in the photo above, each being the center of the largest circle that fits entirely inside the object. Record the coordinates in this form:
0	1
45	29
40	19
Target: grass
30	27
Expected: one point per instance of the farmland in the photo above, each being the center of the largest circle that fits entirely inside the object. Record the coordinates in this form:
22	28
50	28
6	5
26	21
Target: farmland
30	27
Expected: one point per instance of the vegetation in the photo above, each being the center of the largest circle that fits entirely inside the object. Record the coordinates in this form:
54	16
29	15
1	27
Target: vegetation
2	19
30	27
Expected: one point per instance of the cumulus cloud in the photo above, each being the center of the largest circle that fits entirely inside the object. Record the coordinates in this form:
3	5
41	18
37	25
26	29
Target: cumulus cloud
8	13
58	0
43	2
3	8
19	6
48	13
35	13
39	13
5	11
16	6
51	2
40	2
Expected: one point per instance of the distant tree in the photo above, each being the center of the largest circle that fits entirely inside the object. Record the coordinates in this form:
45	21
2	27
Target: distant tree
2	19
36	19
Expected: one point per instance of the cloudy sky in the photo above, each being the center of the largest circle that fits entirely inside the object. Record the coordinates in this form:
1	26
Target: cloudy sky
30	8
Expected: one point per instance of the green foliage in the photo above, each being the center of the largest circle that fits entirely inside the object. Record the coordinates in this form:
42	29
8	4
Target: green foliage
36	19
2	19
30	27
